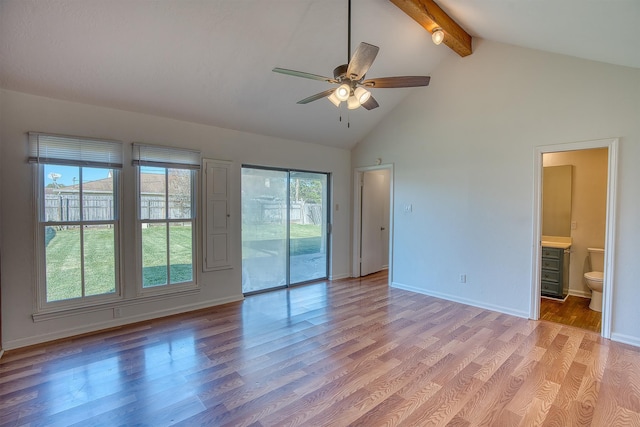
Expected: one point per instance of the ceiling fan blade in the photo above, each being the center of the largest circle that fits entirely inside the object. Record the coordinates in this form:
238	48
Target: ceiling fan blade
371	103
316	96
400	81
304	75
361	60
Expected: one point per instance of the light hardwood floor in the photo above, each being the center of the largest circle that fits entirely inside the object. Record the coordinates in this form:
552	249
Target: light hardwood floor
350	352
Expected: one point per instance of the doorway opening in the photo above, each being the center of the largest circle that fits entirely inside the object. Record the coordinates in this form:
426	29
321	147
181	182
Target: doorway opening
373	221
285	228
563	235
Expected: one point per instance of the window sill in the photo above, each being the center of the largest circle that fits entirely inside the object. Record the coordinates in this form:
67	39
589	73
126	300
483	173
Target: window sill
164	290
57	313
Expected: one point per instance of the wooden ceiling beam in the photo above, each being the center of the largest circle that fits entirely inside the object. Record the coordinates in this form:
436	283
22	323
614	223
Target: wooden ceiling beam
428	14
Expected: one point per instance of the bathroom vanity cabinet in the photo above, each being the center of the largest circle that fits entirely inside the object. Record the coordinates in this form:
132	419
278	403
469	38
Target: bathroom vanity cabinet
555	272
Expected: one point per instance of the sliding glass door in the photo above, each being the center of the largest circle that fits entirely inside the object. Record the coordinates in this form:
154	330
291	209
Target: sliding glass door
284	228
307	226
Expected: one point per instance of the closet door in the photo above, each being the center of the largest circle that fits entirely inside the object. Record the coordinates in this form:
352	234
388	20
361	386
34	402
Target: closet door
217	215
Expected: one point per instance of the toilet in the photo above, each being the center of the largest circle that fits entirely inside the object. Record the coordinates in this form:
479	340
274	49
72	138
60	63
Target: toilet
595	277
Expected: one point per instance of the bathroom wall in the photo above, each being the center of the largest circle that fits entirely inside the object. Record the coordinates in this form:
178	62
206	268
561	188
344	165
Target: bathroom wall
588	208
556	200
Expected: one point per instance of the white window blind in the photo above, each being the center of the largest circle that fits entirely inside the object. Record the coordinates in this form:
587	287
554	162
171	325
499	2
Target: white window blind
166	157
74	150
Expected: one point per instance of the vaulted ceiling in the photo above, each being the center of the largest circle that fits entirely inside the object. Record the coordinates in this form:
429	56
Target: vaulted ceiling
210	61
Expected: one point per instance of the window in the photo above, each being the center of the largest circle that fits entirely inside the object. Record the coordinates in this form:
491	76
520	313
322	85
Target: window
166	216
78	219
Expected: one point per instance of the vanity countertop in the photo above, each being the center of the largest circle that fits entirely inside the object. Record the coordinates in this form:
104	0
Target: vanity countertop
556	242
556	245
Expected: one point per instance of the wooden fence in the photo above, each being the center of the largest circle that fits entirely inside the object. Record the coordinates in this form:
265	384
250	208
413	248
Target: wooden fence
260	212
66	207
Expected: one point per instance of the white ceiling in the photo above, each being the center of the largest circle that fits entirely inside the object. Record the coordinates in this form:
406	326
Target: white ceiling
210	61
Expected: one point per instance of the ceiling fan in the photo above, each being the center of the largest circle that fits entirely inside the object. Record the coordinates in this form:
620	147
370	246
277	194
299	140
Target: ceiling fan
350	78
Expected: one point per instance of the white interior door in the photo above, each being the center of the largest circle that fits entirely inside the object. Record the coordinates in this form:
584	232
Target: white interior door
375	202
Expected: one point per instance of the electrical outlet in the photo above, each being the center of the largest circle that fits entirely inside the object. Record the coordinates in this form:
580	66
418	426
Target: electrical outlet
117	312
463	278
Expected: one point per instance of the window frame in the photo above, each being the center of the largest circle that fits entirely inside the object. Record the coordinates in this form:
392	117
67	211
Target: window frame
139	163
42	305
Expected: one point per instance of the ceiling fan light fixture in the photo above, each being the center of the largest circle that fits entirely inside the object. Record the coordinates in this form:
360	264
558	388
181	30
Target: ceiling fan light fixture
362	95
342	92
437	35
334	99
353	103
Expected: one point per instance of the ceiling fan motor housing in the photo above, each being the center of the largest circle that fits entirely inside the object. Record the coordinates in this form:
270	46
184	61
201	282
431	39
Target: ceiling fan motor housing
340	72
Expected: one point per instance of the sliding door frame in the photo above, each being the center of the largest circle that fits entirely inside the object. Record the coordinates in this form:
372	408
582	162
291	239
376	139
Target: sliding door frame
327	234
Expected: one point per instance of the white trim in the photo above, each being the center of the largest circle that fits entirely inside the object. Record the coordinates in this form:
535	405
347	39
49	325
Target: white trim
612	145
44	316
357	199
626	339
465	301
609	245
96	327
339	276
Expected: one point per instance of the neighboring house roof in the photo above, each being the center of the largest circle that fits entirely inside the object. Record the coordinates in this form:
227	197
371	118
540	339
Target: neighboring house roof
151	183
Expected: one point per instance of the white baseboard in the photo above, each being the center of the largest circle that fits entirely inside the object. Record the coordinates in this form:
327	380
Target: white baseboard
454	298
626	339
339	276
95	327
581	294
1	352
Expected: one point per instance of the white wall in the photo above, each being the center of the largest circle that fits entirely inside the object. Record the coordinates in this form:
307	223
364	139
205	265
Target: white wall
463	153
22	113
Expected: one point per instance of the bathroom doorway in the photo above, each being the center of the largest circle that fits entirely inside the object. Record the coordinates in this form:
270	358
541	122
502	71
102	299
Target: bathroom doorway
590	222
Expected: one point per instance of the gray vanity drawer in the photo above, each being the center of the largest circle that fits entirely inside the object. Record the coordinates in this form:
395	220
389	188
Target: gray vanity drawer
551	288
551	252
550	264
551	276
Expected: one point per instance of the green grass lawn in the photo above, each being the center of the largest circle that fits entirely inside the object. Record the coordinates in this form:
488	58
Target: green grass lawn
63	260
278	231
264	239
154	255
